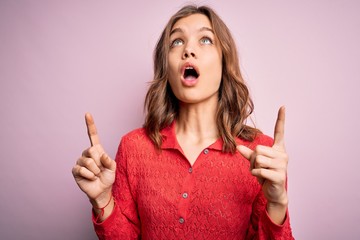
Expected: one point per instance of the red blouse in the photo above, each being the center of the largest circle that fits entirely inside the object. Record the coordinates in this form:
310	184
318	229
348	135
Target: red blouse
159	195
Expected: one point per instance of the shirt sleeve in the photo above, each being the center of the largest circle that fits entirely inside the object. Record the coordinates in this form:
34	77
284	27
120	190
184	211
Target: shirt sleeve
123	223
261	225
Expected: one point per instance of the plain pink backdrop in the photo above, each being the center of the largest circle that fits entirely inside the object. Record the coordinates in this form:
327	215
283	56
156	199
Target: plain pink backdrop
60	59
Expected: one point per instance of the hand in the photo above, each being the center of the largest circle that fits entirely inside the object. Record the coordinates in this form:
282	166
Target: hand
94	171
269	165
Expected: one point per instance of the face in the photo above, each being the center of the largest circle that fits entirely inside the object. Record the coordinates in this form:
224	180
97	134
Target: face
195	60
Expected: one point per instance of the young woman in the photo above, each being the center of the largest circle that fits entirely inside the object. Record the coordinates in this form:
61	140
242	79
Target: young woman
195	170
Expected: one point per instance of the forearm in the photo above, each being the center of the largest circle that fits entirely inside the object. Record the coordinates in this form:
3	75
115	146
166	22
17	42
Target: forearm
277	212
103	207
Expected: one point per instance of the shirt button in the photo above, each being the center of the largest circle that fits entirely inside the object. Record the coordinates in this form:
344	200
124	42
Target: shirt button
185	195
181	220
206	151
190	170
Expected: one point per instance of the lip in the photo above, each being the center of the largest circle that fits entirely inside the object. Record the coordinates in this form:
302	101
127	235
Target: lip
189	82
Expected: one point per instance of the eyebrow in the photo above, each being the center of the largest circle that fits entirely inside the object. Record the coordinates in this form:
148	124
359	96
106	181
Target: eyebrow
175	30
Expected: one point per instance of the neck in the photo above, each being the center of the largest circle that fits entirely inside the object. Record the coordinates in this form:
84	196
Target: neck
198	122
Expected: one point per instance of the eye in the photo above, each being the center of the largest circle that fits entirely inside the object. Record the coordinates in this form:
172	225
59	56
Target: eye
176	42
206	41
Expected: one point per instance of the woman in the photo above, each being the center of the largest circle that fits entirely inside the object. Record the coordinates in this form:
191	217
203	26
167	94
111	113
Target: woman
185	174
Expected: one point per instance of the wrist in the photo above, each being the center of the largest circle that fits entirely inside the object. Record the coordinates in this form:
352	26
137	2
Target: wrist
278	200
277	211
102	200
276	207
280	203
102	209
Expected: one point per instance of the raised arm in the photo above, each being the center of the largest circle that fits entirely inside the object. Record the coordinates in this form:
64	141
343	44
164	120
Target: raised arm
94	173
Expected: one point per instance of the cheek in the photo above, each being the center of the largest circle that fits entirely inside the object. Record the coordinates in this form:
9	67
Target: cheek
172	69
215	70
172	81
172	78
213	61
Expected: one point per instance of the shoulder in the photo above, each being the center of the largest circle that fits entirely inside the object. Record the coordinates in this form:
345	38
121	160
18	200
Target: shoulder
136	142
135	147
135	136
260	139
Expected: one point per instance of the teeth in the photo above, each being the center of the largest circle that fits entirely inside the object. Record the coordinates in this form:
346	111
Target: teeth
189	68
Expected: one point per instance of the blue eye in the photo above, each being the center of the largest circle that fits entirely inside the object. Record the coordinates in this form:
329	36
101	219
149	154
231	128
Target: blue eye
176	42
206	40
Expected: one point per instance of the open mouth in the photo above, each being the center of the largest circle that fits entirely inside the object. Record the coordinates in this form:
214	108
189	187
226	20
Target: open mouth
190	73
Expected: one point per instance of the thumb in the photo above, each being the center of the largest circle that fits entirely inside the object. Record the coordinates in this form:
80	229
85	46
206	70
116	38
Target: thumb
107	162
245	151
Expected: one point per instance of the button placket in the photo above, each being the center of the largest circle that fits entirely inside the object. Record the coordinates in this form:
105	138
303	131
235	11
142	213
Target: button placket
186	189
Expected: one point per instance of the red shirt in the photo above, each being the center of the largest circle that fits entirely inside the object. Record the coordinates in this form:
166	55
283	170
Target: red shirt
159	195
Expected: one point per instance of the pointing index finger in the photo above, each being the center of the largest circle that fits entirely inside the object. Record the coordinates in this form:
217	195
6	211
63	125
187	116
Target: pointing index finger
91	130
279	129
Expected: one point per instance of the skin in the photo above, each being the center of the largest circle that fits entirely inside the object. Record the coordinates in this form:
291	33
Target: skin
191	41
194	42
269	166
94	173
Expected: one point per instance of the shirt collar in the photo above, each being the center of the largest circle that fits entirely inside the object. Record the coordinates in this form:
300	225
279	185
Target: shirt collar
170	141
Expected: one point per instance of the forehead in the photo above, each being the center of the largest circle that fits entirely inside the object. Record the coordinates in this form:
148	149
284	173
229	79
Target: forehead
194	21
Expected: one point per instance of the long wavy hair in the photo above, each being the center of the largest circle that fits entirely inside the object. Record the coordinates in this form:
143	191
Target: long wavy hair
235	105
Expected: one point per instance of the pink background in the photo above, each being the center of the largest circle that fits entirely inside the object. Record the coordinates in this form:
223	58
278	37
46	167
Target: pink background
59	59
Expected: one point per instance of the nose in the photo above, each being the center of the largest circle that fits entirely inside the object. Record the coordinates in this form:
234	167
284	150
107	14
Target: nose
188	52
